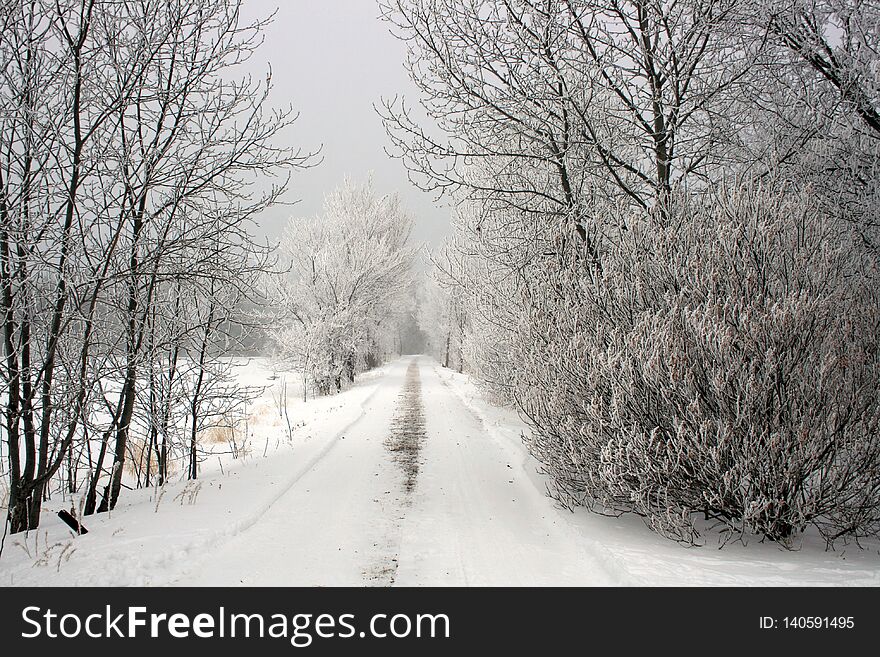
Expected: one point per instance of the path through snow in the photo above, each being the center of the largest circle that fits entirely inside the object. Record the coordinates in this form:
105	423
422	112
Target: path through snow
393	502
410	477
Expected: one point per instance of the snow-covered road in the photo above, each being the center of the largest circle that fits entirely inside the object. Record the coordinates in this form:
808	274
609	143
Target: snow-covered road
409	477
470	516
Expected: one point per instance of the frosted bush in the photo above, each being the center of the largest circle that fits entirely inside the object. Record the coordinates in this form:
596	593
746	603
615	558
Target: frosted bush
720	361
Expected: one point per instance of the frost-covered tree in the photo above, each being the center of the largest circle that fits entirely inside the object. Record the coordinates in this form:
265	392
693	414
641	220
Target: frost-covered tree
544	105
664	245
838	41
348	279
442	318
814	101
127	147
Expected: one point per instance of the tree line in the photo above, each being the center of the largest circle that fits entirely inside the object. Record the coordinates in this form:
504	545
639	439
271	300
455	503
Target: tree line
665	246
128	148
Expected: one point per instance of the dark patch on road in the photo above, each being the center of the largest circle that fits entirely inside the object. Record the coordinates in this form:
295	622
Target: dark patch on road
404	445
408	428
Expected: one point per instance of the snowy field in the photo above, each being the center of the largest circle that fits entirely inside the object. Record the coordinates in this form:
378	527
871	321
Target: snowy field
409	478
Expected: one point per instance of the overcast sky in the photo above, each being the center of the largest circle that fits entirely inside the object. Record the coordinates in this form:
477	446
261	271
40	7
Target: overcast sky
332	60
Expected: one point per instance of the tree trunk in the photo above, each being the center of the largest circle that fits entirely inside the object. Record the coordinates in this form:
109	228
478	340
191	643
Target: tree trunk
19	513
109	501
349	367
92	493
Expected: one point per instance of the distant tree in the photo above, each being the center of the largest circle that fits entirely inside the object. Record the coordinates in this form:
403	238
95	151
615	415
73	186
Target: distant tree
349	275
442	317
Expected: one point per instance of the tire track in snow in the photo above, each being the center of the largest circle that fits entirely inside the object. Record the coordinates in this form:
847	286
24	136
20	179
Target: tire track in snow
404	445
408	429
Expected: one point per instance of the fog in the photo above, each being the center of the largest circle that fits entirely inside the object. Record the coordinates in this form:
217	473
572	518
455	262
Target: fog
332	61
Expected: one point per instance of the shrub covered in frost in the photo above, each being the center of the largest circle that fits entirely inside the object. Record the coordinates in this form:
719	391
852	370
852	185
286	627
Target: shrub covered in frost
720	360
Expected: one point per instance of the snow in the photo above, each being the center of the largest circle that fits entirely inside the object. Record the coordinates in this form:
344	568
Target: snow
331	508
632	555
